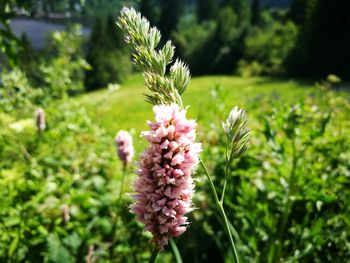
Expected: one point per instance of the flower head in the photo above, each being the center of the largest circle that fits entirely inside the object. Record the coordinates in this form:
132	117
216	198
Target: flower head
237	132
165	86
65	213
125	149
40	119
164	185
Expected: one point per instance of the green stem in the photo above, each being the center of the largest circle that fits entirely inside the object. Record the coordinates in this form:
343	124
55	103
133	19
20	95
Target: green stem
222	211
233	246
212	186
153	256
226	173
122	183
176	251
277	249
115	222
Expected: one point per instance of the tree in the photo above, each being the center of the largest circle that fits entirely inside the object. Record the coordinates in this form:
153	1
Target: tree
297	11
324	40
242	9
207	9
10	45
107	55
171	10
193	43
255	18
114	36
95	8
212	46
228	40
148	10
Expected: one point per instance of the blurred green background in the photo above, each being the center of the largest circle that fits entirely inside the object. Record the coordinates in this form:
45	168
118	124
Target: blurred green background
285	62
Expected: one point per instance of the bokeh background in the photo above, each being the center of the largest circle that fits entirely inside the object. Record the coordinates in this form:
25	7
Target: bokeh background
285	61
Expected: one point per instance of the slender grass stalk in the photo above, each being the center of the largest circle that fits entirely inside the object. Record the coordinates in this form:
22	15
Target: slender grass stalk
115	221
226	174
221	210
278	244
176	251
153	256
122	183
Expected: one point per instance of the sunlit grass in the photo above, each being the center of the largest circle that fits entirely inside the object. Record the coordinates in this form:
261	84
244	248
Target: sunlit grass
126	109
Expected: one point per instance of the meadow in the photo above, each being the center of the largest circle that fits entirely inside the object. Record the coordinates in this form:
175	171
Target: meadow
244	162
60	189
125	108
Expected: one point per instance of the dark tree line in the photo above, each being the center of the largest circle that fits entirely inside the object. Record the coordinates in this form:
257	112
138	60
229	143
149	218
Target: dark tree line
213	37
107	55
324	39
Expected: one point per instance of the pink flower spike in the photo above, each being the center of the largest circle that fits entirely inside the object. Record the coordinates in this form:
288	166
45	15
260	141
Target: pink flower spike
125	149
40	119
164	186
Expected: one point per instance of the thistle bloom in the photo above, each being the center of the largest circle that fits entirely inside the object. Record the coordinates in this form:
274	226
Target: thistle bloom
164	185
40	119
125	149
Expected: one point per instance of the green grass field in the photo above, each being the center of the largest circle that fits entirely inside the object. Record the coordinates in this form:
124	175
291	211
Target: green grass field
74	163
125	108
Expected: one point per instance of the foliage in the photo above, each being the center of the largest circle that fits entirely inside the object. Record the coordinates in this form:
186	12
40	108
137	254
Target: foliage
255	12
323	42
243	11
227	40
58	75
192	40
107	55
15	90
207	9
76	8
9	43
286	199
29	60
170	12
71	165
63	73
147	9
211	46
267	47
295	178
321	27
297	11
74	163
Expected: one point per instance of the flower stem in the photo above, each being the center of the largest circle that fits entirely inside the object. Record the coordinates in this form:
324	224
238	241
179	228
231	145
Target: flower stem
277	248
212	186
221	210
176	251
118	205
153	256
122	183
226	173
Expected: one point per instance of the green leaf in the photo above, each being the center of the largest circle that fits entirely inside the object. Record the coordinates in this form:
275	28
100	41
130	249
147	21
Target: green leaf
13	245
56	252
